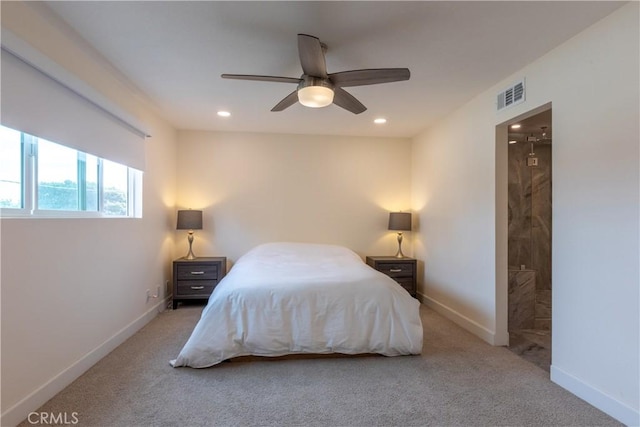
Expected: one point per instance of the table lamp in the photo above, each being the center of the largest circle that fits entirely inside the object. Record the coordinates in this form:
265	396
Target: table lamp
190	220
400	221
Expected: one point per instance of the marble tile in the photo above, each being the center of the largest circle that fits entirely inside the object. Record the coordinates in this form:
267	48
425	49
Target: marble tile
519	205
540	337
519	253
521	301
534	346
542	311
544	297
530	208
542	324
529	240
543	304
541	218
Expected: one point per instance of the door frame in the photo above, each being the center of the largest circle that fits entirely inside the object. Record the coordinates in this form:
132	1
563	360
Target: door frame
502	224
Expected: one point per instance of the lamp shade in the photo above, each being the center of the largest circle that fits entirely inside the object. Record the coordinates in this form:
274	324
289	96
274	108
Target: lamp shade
189	220
400	221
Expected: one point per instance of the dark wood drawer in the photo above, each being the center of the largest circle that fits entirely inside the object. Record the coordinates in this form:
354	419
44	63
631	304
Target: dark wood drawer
197	271
196	287
406	283
196	279
396	270
402	270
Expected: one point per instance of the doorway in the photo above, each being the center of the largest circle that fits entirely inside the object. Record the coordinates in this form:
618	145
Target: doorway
527	164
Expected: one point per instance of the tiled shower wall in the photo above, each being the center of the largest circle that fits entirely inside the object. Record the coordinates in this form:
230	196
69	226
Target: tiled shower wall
530	223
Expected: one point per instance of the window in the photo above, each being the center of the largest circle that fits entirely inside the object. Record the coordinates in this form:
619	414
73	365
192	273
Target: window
57	177
42	178
11	195
116	188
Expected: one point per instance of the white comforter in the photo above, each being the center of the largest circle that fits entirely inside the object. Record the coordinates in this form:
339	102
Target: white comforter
286	298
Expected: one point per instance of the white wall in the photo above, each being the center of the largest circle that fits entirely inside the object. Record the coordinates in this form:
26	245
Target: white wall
73	289
257	188
592	83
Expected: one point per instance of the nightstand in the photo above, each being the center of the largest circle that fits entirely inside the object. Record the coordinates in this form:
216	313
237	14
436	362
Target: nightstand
195	279
402	270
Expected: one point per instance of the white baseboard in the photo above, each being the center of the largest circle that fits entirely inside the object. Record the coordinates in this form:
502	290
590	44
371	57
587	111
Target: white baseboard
20	411
461	320
595	397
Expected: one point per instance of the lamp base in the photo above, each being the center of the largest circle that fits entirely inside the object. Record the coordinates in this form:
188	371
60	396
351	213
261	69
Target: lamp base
190	255
399	254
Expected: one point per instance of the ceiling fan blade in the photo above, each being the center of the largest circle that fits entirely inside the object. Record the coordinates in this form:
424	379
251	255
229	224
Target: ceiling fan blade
261	78
369	77
287	102
344	99
311	56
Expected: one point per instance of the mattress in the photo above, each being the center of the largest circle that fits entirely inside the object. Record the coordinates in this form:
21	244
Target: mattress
290	298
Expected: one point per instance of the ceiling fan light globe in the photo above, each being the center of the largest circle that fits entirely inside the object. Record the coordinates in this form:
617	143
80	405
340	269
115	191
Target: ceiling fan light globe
315	96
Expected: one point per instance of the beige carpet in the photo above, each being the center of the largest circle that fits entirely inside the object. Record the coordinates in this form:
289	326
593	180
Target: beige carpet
458	381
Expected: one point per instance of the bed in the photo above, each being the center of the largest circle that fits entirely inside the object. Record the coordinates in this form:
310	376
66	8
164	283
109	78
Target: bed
293	298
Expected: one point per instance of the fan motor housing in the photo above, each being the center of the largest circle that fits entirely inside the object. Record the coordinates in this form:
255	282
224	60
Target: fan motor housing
315	92
306	81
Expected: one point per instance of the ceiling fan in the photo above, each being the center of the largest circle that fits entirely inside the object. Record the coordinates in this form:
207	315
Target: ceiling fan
317	88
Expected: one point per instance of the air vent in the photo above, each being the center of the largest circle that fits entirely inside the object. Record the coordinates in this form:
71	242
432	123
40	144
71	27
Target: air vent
511	96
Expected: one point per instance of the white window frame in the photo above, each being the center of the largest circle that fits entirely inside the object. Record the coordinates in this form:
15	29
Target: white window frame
30	190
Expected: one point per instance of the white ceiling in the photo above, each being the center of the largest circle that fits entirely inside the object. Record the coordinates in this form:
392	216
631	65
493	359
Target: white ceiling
174	52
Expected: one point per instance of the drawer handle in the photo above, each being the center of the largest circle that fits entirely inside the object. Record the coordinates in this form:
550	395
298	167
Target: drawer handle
395	270
197	272
197	288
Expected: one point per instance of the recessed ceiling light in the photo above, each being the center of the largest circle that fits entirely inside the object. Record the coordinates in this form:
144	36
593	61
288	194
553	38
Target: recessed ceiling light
516	126
380	121
224	113
512	142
